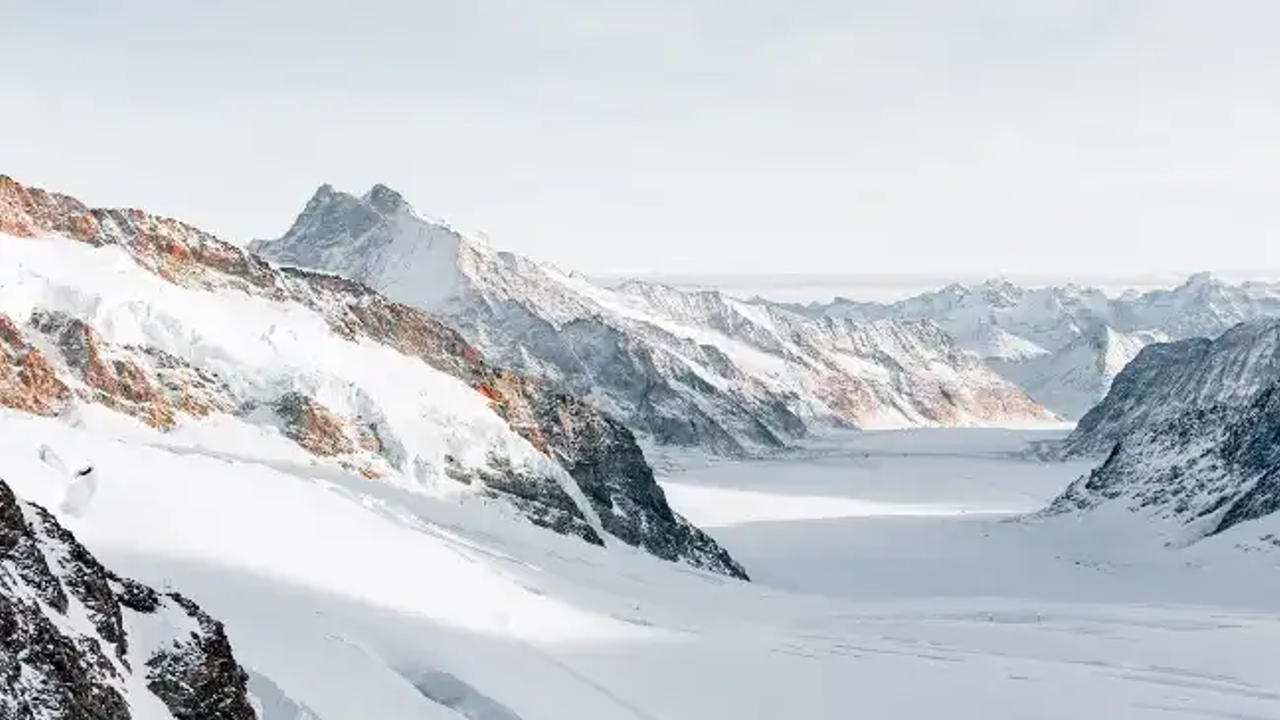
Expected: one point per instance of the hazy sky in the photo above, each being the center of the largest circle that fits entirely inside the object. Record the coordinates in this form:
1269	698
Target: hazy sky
859	136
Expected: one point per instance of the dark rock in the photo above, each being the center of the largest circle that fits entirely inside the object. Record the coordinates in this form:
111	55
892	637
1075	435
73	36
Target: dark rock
50	669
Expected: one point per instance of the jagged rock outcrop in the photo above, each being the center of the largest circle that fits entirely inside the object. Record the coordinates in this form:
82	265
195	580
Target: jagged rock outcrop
693	369
70	637
331	364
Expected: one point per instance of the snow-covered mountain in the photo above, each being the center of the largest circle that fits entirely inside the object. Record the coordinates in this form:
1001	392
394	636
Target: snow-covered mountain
1065	344
684	368
78	641
159	321
1198	472
1166	380
1192	435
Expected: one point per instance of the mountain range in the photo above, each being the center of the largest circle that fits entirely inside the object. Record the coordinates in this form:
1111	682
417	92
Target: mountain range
406	469
1065	344
697	369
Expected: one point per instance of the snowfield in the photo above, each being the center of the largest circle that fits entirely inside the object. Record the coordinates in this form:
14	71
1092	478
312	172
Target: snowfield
892	583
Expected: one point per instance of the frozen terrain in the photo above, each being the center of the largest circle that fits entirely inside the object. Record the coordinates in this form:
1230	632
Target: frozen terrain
390	527
891	583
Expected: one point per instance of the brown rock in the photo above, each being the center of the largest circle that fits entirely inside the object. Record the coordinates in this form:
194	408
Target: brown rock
27	381
313	426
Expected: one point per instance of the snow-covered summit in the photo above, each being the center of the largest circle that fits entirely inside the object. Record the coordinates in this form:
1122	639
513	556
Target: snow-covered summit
685	368
377	236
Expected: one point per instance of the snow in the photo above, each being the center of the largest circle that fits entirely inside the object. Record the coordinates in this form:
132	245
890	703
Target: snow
263	348
887	587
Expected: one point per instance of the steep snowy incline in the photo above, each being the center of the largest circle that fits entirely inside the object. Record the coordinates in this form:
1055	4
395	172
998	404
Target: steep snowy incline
78	641
696	369
1167	379
159	321
353	600
1065	344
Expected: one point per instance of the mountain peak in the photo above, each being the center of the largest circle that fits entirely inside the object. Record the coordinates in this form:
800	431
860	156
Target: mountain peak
384	199
323	196
1201	279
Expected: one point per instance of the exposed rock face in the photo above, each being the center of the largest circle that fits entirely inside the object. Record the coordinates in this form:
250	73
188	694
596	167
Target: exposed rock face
147	383
27	381
1065	344
1167	379
170	248
117	382
68	627
1206	469
694	369
312	425
589	469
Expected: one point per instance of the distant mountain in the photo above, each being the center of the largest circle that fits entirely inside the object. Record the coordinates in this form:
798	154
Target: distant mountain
79	641
159	322
1065	344
681	368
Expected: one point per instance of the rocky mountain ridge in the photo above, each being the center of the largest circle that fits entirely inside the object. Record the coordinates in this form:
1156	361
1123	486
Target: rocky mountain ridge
1166	380
1190	432
1202	472
681	368
160	321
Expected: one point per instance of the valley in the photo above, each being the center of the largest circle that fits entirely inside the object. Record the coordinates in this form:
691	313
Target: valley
894	573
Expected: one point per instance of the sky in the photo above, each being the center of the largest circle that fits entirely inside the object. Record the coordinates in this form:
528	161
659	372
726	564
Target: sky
859	137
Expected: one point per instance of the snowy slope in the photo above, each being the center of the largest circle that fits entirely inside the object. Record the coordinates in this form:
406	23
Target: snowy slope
1191	435
79	641
1197	473
159	321
697	369
356	600
1065	344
